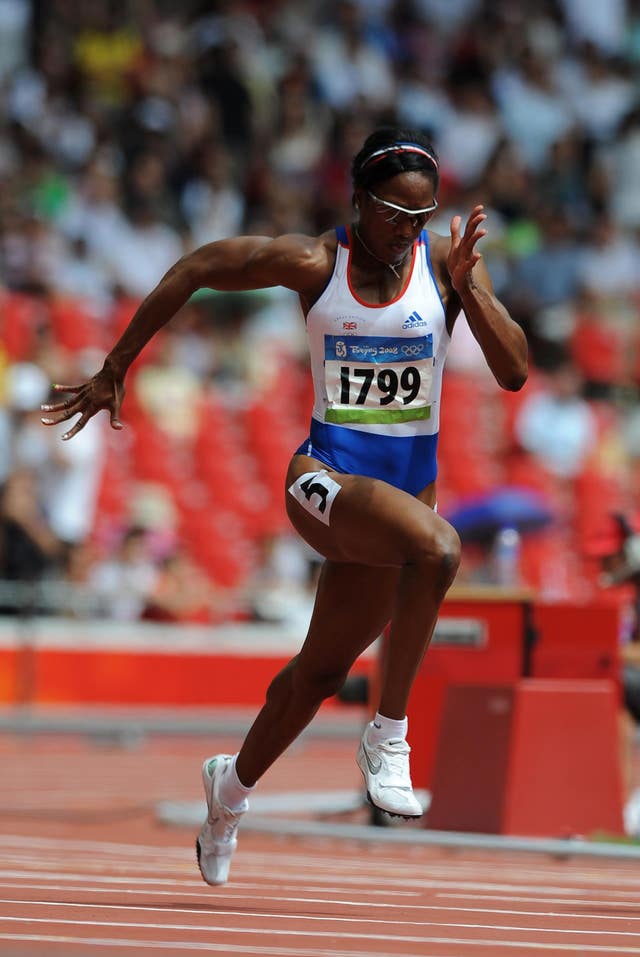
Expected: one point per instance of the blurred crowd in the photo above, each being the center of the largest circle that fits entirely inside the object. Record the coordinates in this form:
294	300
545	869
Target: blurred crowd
133	131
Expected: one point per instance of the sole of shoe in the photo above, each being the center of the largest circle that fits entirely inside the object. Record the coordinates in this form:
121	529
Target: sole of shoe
394	814
198	854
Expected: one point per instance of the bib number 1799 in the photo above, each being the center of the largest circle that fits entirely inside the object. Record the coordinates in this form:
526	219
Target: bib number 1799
390	386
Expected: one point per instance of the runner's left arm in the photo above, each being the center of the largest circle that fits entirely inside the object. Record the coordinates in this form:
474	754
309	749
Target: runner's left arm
501	339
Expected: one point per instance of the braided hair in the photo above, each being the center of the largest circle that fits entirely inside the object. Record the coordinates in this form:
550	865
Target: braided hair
392	150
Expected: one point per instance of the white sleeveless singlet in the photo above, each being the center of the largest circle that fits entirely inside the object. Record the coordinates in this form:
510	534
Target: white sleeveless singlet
377	375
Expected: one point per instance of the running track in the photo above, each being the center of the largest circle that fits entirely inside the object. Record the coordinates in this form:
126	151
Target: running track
86	870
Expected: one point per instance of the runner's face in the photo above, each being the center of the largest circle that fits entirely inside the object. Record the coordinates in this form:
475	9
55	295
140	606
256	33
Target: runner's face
390	232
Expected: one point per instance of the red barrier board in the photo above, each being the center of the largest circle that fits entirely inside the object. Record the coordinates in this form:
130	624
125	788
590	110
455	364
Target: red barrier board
576	641
493	636
538	757
58	662
477	640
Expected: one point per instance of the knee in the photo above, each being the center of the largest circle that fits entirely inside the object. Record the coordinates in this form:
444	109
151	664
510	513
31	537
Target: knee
298	681
279	686
304	685
440	554
314	684
448	551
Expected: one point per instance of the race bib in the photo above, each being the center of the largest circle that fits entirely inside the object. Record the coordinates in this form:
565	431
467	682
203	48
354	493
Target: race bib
316	491
378	379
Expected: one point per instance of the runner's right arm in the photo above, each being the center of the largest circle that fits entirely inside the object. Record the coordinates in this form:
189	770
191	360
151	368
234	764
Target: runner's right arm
297	262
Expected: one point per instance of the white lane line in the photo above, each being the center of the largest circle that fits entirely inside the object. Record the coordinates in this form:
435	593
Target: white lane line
305	860
100	879
334	872
405	938
406	883
452	885
156	857
570	901
195	946
319	918
301	886
206	895
310	883
22	841
26	880
64	846
631	887
151	859
223	894
273	898
522	873
397	872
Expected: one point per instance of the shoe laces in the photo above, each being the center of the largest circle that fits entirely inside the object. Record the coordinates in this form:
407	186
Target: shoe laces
230	817
229	820
395	755
230	829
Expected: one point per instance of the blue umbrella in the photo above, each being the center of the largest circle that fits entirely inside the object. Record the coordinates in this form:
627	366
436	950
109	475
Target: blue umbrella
481	517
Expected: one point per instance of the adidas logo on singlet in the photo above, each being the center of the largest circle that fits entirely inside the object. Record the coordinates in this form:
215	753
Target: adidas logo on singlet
415	321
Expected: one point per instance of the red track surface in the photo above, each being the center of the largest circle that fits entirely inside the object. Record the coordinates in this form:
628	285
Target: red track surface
85	870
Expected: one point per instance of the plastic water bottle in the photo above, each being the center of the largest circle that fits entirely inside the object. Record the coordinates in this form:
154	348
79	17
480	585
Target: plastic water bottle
506	557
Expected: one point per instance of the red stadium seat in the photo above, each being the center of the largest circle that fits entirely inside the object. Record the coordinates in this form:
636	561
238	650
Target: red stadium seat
20	317
74	328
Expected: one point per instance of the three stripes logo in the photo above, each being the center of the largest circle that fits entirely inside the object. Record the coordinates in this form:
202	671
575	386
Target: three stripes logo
415	321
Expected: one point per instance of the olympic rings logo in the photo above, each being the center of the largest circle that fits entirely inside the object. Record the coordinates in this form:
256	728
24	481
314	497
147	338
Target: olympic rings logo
412	350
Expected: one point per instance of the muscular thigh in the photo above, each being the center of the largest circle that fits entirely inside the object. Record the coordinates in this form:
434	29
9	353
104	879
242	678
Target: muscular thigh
355	519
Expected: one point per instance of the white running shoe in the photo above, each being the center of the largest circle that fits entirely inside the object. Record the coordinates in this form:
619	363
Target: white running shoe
217	839
385	768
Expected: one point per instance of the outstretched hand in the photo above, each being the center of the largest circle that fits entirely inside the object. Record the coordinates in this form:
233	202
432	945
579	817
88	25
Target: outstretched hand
103	391
463	254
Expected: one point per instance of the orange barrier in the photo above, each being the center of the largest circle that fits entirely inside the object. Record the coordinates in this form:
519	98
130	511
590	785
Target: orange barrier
538	757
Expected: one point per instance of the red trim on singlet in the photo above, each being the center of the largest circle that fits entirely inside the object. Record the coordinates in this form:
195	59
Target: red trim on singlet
379	305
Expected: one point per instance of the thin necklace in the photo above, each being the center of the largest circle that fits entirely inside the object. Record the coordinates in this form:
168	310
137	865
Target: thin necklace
391	266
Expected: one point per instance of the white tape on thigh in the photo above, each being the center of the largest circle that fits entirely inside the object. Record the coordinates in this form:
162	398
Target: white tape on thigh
315	491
